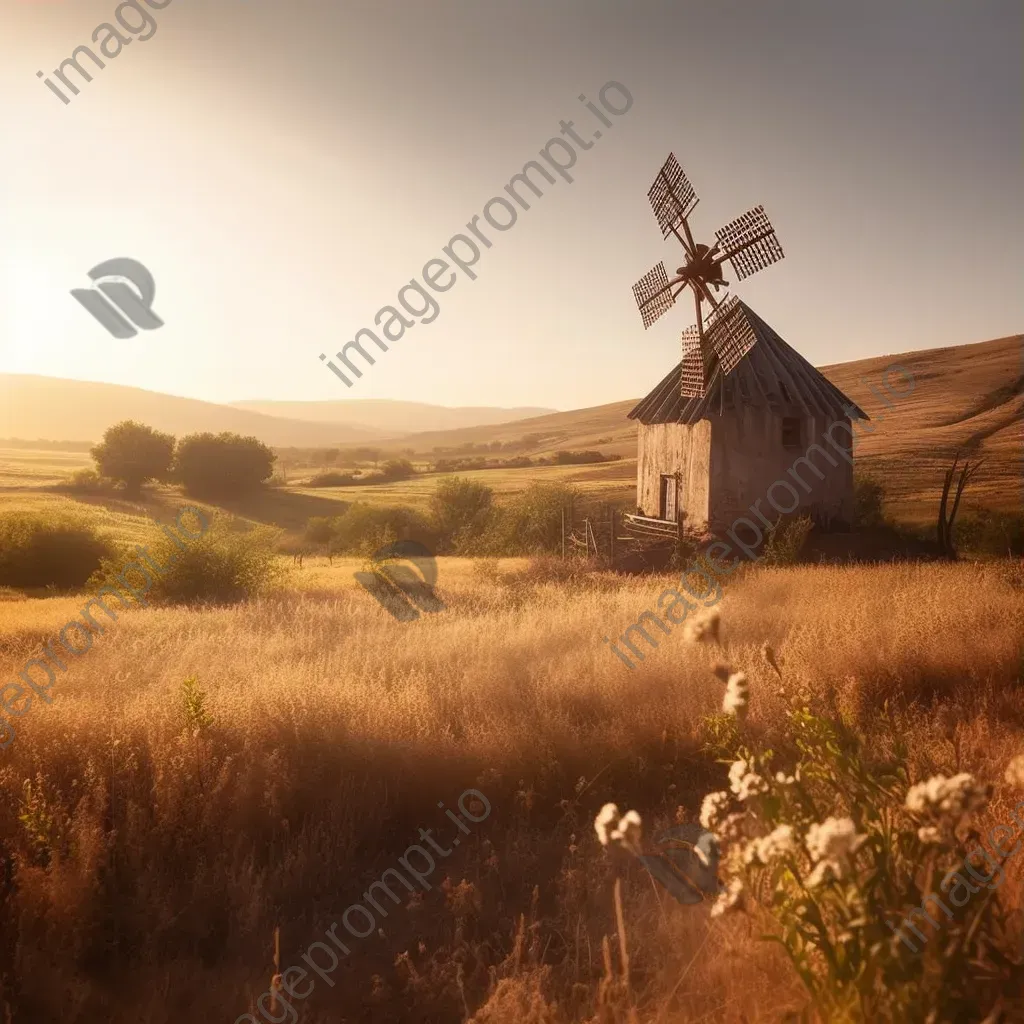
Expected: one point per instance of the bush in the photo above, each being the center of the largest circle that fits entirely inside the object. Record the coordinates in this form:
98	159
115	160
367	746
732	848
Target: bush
222	565
224	464
87	481
461	510
39	550
134	453
530	524
397	469
319	530
785	540
363	529
988	532
868	499
332	479
566	458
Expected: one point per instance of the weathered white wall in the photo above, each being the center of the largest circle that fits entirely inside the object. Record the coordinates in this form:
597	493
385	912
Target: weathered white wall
664	448
747	458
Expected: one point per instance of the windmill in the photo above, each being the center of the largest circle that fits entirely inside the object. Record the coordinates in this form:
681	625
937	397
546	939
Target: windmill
717	343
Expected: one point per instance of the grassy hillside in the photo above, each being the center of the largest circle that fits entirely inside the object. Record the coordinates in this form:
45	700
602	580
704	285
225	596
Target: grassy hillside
968	398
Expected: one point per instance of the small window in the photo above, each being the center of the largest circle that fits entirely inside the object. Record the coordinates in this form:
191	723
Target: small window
790	432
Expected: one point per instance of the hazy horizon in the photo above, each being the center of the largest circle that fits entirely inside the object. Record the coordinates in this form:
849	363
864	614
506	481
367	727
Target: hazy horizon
280	201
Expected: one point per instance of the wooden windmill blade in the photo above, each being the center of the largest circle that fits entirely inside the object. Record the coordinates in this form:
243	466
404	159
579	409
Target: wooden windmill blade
694	367
653	294
730	334
749	243
673	199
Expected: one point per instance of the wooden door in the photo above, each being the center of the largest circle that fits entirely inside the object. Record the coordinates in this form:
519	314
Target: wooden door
668	498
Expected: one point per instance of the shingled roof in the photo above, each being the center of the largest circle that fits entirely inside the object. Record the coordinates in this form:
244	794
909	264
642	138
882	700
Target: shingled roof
771	373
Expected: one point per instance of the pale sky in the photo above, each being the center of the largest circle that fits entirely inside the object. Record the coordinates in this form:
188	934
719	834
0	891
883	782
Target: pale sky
284	167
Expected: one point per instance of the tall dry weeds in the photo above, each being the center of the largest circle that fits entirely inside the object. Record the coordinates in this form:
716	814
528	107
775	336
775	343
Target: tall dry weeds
332	731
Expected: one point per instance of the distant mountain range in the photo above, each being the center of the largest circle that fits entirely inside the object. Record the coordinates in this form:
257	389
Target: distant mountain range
51	407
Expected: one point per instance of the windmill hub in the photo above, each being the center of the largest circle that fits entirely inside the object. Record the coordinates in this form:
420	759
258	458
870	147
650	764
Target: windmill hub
702	266
748	244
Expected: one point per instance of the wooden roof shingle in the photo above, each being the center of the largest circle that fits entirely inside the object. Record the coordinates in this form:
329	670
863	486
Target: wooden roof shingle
771	373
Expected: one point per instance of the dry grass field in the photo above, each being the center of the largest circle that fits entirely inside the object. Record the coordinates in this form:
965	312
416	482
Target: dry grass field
208	773
146	857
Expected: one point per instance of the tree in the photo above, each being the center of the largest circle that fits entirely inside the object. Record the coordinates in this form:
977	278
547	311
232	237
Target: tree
397	469
225	464
134	453
461	509
945	527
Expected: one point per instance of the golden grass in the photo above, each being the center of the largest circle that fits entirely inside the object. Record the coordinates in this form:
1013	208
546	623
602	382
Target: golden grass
338	729
30	467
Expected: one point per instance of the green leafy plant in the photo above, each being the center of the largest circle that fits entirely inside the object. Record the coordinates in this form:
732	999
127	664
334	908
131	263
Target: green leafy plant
828	840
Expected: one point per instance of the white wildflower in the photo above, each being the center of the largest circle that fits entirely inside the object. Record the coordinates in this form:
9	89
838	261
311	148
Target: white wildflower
730	898
1015	772
737	696
712	809
745	783
831	844
604	823
779	843
929	834
732	828
783	779
751	785
942	797
629	832
736	772
703	628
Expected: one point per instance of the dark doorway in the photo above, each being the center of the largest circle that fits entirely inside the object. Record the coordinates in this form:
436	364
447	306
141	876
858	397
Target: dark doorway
668	498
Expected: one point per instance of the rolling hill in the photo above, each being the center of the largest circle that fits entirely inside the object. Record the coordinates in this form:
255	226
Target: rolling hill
967	398
49	407
391	418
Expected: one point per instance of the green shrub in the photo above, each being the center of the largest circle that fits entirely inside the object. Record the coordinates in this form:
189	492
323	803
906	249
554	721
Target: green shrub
567	458
988	532
363	529
785	540
461	510
39	550
319	530
868	501
222	464
134	453
530	524
397	469
87	481
222	565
